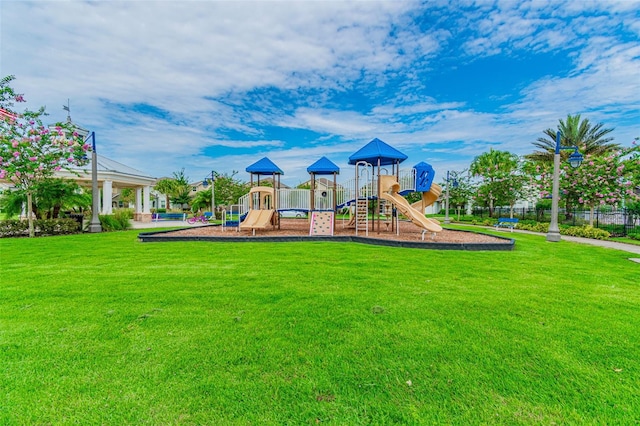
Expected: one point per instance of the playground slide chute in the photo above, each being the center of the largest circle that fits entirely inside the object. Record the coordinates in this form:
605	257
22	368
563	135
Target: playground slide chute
416	217
257	219
390	187
428	197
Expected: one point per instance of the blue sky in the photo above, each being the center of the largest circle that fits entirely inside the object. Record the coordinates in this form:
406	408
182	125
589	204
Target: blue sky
217	85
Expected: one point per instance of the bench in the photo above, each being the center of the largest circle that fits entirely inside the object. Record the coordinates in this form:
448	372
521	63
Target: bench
169	216
507	222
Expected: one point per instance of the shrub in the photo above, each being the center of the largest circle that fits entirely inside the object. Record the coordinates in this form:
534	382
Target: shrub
586	232
634	235
42	227
533	226
14	228
119	221
124	213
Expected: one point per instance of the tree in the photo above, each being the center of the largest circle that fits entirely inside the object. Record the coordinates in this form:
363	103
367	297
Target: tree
52	196
201	200
127	196
229	189
30	151
461	190
167	187
182	189
590	140
601	180
176	189
500	185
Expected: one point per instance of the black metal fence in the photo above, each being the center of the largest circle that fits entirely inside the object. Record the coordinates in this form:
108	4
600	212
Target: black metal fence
618	222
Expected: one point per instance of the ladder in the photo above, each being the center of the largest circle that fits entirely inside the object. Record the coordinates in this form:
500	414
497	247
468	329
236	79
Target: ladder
363	192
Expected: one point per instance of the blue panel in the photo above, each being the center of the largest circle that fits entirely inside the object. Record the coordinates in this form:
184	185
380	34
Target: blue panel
424	176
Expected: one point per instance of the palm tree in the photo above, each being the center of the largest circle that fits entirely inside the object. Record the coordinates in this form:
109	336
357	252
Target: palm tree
49	198
201	200
591	140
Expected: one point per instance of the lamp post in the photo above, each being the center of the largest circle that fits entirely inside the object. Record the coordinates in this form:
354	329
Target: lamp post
446	202
575	159
94	225
205	183
446	198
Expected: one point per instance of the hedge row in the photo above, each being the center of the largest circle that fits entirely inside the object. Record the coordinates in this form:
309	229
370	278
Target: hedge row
42	227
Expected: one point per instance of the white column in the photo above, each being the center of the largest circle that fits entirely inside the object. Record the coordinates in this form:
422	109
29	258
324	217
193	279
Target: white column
107	197
138	200
146	205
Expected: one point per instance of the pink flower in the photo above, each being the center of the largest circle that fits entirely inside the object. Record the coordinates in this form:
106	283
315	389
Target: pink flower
16	154
15	144
33	158
3	173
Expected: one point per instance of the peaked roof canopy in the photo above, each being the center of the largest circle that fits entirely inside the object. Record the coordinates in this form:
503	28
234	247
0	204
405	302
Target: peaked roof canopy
264	167
323	166
378	150
108	170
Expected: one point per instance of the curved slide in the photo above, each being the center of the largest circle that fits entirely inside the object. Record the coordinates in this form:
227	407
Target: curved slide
428	197
416	217
391	194
257	219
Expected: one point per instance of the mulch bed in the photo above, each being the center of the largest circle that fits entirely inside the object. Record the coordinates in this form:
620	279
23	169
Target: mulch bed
409	235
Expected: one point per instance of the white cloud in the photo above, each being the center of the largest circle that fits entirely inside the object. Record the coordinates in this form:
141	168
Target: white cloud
210	67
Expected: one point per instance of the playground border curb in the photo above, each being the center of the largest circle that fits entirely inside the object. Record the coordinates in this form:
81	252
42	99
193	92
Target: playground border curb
161	236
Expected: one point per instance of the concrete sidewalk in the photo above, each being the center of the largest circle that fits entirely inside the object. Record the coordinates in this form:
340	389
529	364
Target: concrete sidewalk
603	243
630	248
163	224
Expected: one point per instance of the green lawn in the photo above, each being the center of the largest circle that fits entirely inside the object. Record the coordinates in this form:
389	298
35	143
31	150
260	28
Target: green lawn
103	329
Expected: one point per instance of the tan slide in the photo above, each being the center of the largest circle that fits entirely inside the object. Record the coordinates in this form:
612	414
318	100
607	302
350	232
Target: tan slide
257	219
390	187
416	217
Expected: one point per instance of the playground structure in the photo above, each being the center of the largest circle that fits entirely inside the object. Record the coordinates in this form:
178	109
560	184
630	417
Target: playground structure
378	186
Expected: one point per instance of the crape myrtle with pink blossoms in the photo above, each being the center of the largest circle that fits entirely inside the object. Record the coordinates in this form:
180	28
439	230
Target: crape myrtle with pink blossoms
601	180
31	151
607	176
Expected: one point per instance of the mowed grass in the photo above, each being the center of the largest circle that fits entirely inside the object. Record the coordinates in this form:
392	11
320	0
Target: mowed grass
103	329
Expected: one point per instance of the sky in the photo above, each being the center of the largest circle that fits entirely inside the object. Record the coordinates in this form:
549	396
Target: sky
218	85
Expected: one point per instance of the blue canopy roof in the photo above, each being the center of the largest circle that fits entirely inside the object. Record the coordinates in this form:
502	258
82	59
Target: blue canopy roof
378	150
264	167
323	166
